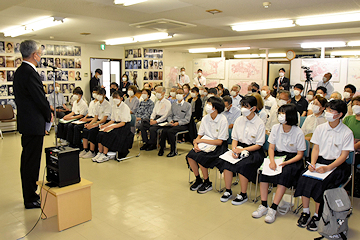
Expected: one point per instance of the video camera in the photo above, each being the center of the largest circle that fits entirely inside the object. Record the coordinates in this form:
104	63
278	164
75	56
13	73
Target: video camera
308	73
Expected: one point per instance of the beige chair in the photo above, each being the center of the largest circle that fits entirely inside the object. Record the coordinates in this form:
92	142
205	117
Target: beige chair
6	115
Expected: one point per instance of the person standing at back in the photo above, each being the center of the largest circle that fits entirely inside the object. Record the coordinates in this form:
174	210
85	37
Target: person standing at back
325	82
95	80
33	111
281	82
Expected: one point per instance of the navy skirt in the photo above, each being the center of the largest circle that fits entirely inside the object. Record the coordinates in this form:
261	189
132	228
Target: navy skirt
248	166
119	139
290	173
314	188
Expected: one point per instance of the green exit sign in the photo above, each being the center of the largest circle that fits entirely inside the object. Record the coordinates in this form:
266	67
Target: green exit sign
102	47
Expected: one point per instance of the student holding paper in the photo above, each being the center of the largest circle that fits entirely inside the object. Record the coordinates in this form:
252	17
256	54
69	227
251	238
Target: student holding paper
115	135
210	143
289	141
249	134
332	143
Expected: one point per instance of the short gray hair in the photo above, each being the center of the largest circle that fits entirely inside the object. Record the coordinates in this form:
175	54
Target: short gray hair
162	89
237	87
28	47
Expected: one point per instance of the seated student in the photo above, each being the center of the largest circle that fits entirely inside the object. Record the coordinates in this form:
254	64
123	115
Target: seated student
299	101
172	95
132	101
332	143
321	91
158	115
214	131
113	87
349	91
249	133
289	141
315	119
79	110
353	121
269	100
260	107
116	134
145	109
310	97
91	129
235	95
222	91
60	103
179	118
231	113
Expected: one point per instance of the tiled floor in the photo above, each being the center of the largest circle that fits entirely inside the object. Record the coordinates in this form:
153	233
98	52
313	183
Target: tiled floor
142	198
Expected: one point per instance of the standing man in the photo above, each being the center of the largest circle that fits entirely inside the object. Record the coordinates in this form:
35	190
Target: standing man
33	113
95	80
281	82
200	80
325	82
182	78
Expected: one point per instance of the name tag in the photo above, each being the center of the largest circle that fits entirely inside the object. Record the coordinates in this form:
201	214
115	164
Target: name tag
253	136
217	130
291	145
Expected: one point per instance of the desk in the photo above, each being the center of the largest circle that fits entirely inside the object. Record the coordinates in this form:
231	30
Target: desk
71	204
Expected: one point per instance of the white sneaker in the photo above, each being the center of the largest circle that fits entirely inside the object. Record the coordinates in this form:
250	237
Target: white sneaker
82	153
98	155
103	158
270	216
261	211
89	154
64	142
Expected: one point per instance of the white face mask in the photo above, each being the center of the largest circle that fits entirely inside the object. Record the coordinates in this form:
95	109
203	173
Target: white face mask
100	97
144	96
227	109
281	74
208	108
193	95
356	109
57	89
158	96
210	95
233	93
94	95
244	111
329	117
116	101
346	95
281	102
324	79
199	74
263	93
179	97
124	79
201	92
182	73
205	93
75	97
130	93
297	92
282	118
315	109
309	97
320	95
173	94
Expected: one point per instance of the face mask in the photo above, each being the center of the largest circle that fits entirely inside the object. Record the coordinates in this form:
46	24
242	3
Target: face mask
227	109
244	111
158	95
57	89
324	79
112	90
116	101
296	92
263	93
94	95
329	117
124	79
173	94
208	108
356	109
199	74
100	97
201	92
205	93
193	95
182	73
131	93
210	95
281	102
233	93
315	109
179	97
320	95
346	95
281	74
144	96
309	97
282	118
75	97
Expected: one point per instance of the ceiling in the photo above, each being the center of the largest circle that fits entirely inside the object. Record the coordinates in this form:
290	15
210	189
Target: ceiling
104	20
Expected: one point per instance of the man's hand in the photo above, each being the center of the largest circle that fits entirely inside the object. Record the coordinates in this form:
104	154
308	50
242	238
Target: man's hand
175	124
153	122
138	119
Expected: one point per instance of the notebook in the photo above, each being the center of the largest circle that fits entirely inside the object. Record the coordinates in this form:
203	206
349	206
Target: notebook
316	175
266	170
227	156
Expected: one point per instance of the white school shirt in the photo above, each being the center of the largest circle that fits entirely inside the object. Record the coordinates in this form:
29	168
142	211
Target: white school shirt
236	101
332	141
263	115
249	131
103	109
161	108
200	81
291	142
183	79
80	108
92	107
311	122
215	129
121	113
268	103
310	105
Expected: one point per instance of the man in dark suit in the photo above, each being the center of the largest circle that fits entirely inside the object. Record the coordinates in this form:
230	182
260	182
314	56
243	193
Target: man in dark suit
33	112
95	81
281	82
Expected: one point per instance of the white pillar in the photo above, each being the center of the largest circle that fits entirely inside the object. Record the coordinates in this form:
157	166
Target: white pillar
222	54
322	52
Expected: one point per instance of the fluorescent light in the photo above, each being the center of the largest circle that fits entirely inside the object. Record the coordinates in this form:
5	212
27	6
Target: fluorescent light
232	49
116	41
33	26
246	55
258	25
274	55
329	18
322	44
353	43
128	2
202	50
151	37
345	53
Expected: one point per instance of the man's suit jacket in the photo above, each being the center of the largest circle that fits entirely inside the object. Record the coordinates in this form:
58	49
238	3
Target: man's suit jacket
93	83
285	83
33	109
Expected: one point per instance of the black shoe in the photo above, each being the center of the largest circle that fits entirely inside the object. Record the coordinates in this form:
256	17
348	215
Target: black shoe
172	154
161	152
144	147
196	185
303	220
151	147
207	186
31	205
312	226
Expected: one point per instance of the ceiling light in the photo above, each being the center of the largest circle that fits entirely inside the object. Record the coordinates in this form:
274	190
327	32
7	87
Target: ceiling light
322	44
345	53
246	55
233	49
258	25
329	18
273	55
33	26
353	43
152	36
202	50
128	2
117	41
266	4
214	11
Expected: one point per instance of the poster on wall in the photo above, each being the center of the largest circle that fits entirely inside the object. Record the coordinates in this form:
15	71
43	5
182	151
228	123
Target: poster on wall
212	68
171	74
321	66
245	69
353	72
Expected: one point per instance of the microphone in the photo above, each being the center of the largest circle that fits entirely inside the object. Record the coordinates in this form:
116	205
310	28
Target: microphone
47	65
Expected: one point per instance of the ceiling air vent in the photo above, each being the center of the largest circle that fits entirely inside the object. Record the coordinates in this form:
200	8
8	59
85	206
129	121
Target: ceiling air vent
162	24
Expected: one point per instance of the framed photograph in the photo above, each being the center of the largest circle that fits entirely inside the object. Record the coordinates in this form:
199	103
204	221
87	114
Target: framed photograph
11	102
10	75
64	76
57	63
146	76
71	87
160	64
70	51
71	75
63	50
50	76
156	75
18	62
151	64
130	53
160	75
160	53
16	47
126	64
10	90
156	66
2	76
77	76
126	53
50	88
145	53
130	64
135	53
135	66
42	75
77	63
49	49
2	47
10	61
64	63
9	47
65	88
43	49
71	63
57	50
151	77
139	52
146	66
58	76
42	61
66	98
3	102
50	61
2	61
139	64
77	51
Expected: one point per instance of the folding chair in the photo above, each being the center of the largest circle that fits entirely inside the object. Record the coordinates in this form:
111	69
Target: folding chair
351	161
302	120
6	115
176	140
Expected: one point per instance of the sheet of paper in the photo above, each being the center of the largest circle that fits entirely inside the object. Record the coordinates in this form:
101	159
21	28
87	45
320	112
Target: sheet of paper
66	121
316	175
164	124
78	122
101	130
229	158
266	170
203	146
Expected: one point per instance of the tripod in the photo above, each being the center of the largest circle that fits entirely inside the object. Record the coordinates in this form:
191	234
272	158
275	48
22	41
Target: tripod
306	89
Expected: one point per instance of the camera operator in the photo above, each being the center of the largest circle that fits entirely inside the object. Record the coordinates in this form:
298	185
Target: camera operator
281	82
325	82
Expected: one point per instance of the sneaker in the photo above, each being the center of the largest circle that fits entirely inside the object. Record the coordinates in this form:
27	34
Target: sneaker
89	154
312	225
82	153
227	195
270	216
261	211
205	187
64	143
303	220
196	185
98	155
103	158
239	200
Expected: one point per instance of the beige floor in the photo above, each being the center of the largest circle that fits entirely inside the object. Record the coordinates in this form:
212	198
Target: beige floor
142	198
